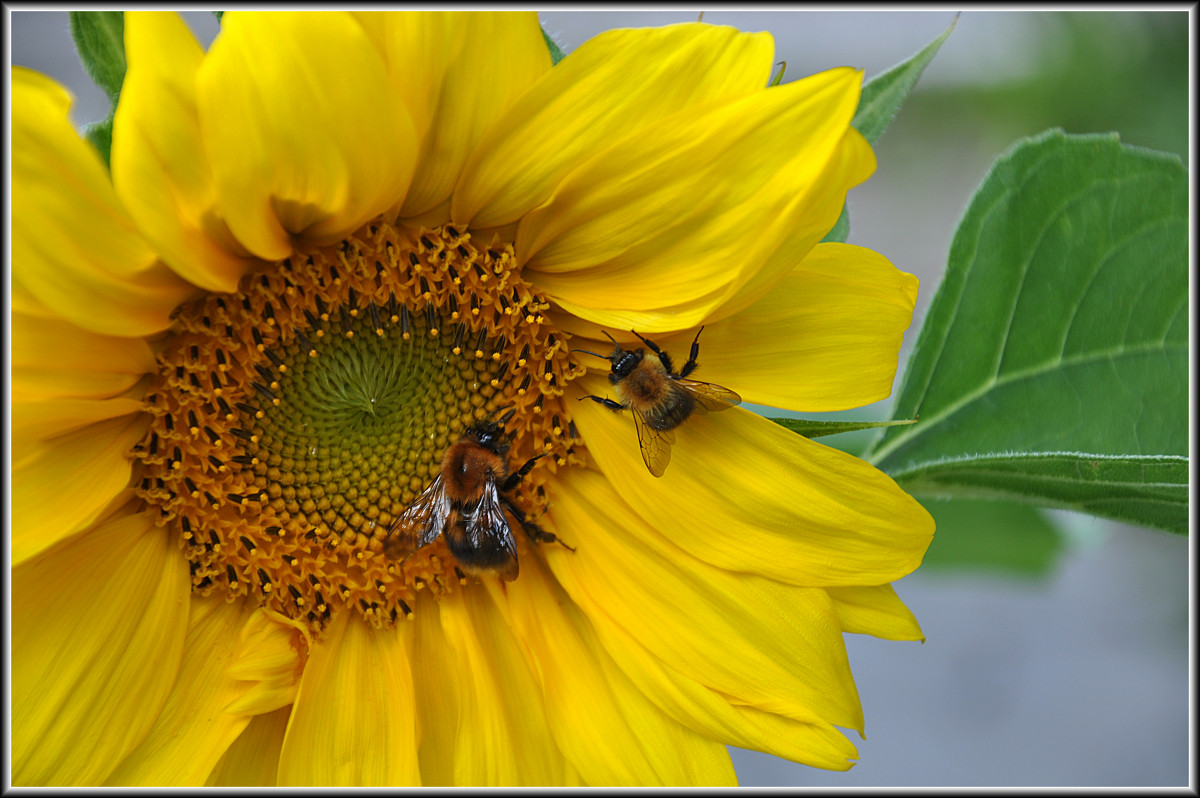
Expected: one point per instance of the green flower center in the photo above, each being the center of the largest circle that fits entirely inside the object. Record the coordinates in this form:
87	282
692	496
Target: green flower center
296	419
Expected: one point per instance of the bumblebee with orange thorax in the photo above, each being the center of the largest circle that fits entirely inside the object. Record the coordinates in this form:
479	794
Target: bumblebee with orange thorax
466	504
659	398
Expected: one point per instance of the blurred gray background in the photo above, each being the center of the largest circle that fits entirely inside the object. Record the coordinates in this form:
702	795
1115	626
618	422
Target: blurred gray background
1073	674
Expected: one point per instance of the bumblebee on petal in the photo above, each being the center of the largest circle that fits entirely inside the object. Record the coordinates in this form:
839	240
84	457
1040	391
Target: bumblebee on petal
466	503
659	398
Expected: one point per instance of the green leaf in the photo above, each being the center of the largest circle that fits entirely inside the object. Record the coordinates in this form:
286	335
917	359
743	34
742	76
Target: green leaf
1053	363
989	535
218	15
883	94
815	429
1152	491
100	39
556	54
775	81
881	99
100	135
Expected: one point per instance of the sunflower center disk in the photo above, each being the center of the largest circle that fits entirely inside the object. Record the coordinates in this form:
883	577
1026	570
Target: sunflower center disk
294	420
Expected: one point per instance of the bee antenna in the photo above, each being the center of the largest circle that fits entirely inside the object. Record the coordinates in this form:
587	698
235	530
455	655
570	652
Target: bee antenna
504	418
593	354
614	340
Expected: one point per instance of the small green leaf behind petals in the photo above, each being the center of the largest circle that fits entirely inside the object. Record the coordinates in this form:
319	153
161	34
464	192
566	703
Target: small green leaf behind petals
100	39
775	81
556	53
881	99
1052	367
883	94
218	15
100	135
815	429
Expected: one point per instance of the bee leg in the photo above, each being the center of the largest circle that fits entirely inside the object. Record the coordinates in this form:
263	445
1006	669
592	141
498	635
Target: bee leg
690	365
609	403
535	532
663	357
520	473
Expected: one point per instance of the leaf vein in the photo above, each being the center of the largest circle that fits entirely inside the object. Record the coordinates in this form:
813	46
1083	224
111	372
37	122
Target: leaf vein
1085	358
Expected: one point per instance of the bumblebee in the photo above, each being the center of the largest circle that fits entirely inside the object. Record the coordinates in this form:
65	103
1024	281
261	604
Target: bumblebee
466	503
659	398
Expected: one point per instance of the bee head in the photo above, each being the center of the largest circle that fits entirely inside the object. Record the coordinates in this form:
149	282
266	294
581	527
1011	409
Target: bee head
623	361
490	434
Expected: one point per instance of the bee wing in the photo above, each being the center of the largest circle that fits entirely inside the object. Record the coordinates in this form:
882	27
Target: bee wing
488	537
709	396
426	516
655	444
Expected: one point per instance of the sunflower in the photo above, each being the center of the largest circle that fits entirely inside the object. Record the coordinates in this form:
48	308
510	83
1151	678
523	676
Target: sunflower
332	246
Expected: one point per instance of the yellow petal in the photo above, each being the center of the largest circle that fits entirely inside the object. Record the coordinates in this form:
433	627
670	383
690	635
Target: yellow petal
605	726
851	163
875	611
159	165
40	420
62	485
758	136
253	758
353	722
805	514
54	359
193	730
827	337
74	249
696	207
98	627
503	738
436	679
457	73
756	641
304	135
271	653
25	303
65	377
612	87
423	48
713	715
